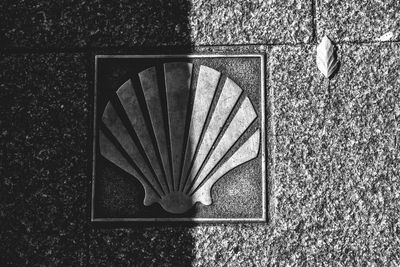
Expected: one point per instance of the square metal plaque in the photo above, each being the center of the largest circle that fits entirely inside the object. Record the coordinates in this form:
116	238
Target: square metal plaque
179	138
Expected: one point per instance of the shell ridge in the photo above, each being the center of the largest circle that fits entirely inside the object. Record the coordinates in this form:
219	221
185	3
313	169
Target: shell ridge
115	155
225	157
117	128
246	152
206	89
147	139
188	119
242	120
215	144
151	91
227	101
168	131
129	100
119	132
177	83
210	120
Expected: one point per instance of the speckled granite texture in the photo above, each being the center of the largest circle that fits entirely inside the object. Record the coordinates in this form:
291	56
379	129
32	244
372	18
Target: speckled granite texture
44	159
71	24
337	175
248	22
335	196
358	21
82	24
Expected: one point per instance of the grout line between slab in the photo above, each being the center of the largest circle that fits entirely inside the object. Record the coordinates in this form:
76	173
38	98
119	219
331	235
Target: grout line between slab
314	21
167	49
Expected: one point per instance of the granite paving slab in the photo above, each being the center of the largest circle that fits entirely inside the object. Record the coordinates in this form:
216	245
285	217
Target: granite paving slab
82	24
340	197
142	246
335	189
251	22
358	21
337	154
362	97
77	24
44	122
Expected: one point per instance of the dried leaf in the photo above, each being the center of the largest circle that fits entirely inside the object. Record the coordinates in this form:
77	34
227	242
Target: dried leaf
327	62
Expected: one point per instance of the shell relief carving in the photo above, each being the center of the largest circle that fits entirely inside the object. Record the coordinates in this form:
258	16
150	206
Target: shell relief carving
179	142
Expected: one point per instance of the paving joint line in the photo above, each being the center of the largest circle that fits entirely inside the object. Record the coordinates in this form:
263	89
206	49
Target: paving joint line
314	21
169	49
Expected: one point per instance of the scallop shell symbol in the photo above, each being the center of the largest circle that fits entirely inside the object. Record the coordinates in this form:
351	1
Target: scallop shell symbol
176	163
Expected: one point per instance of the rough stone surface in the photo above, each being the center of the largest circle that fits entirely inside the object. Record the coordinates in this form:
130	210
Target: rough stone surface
336	183
143	246
358	21
43	170
337	154
363	93
81	24
250	22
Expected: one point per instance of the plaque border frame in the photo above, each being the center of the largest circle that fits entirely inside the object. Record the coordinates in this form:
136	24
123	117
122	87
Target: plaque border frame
264	168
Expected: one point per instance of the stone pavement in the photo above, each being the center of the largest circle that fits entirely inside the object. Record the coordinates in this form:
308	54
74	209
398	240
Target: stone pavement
335	149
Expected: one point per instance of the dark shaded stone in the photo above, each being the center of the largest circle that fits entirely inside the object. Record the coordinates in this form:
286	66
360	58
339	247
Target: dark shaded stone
43	200
151	246
79	24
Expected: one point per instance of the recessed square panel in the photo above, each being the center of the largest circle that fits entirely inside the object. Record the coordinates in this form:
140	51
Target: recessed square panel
179	138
